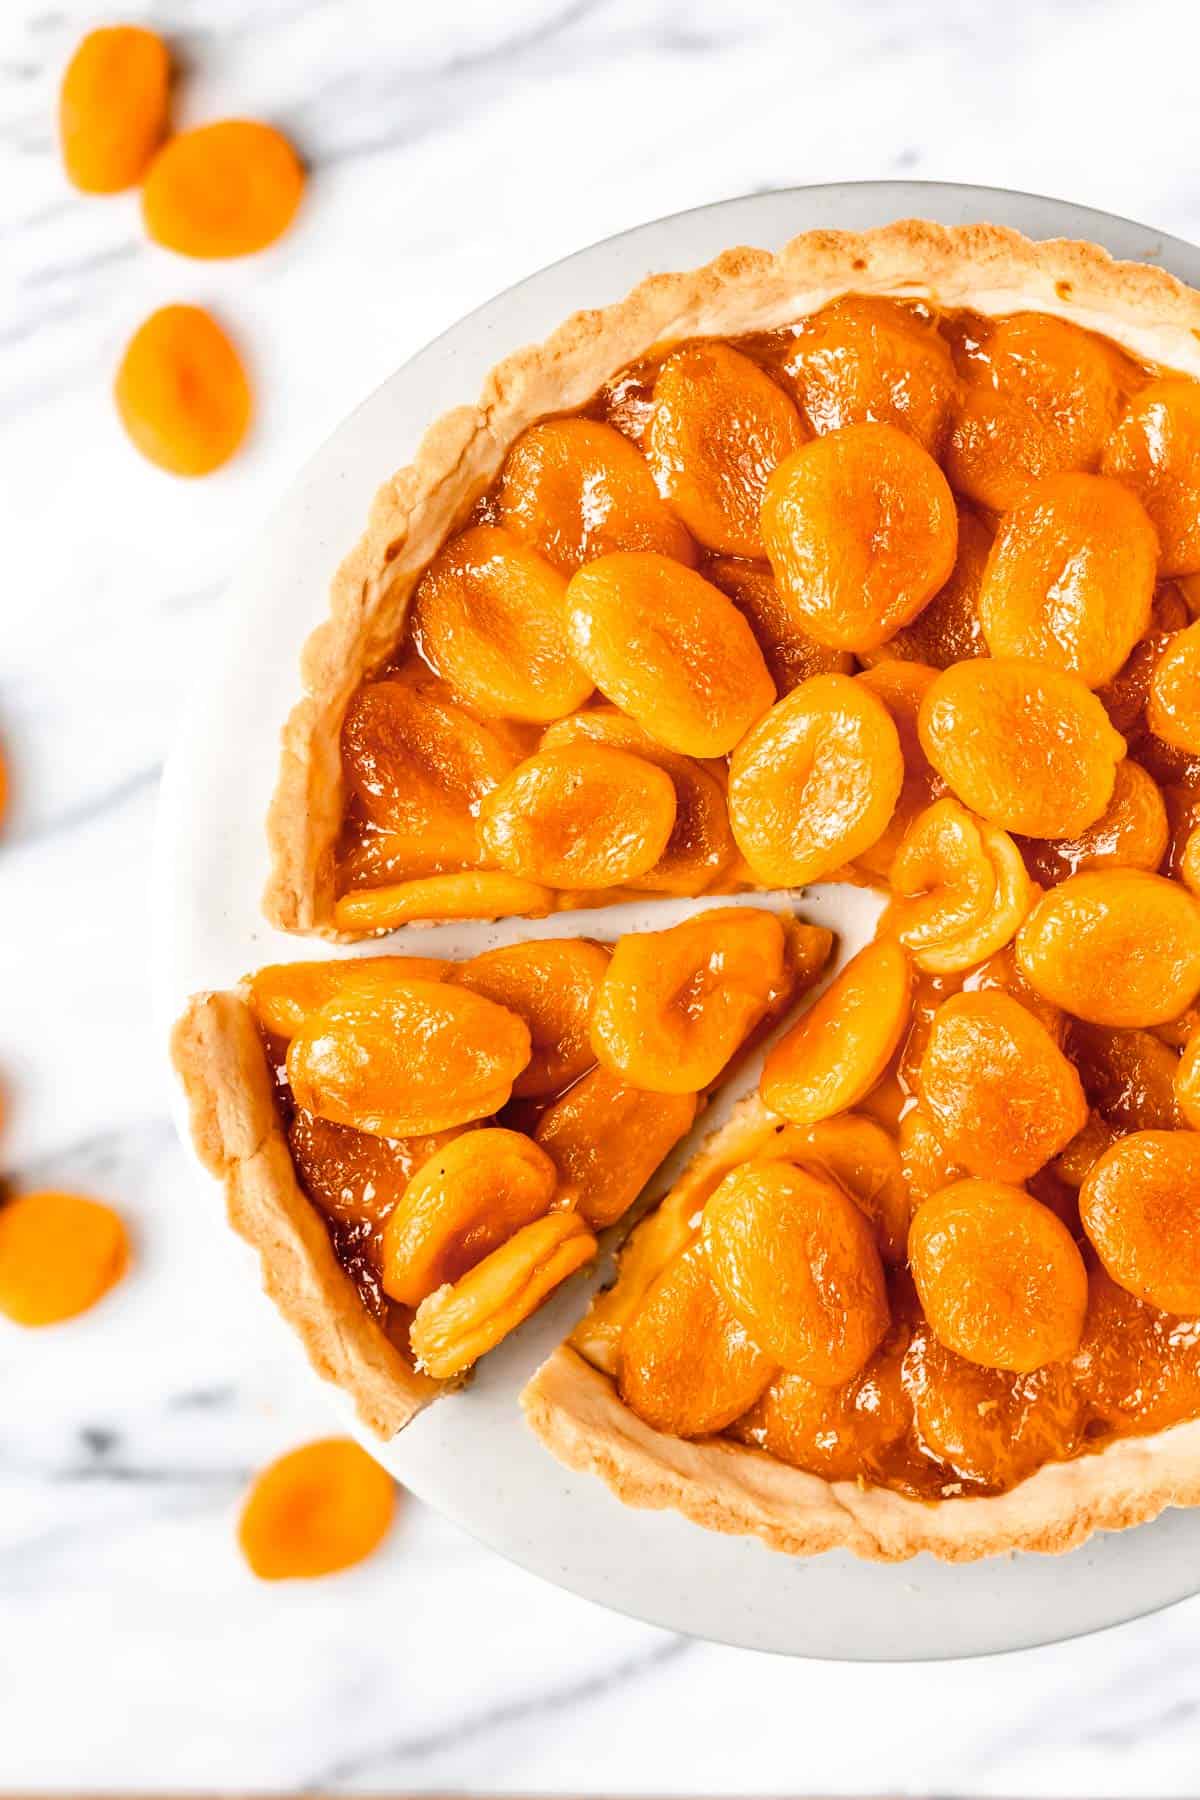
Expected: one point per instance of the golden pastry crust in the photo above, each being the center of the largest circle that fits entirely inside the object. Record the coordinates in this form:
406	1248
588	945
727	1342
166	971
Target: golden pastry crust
219	1057
986	267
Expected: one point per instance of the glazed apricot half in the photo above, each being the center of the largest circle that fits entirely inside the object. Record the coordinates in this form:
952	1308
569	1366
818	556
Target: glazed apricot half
1070	578
607	1139
1131	833
790	653
796	1261
1115	946
1140	1206
1155	451
839	1048
284	994
473	894
948	629
1128	1076
902	687
576	489
587	816
411	1057
354	1177
816	781
959	889
488	616
871	360
1000	1278
1186	1081
1002	1096
675	1005
857	1153
1173	710
861	531
669	649
720	424
1137	1369
1025	746
840	1433
552	985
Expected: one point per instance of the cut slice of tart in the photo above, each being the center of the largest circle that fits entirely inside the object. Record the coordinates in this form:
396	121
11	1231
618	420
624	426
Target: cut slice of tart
420	1150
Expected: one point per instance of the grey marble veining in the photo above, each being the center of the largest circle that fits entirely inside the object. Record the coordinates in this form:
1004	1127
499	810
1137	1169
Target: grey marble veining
453	150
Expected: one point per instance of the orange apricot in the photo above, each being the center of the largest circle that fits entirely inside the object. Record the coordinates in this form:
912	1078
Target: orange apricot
315	1511
484	895
669	649
1173	709
1124	697
1187	1081
860	530
901	685
1070	578
1139	1206
718	428
575	489
688	1365
1115	947
1137	1369
354	1177
182	393
796	1261
948	629
1155	450
488	616
815	782
841	1433
1025	746
1128	1076
284	994
1131	833
227	189
552	985
586	816
837	1050
959	889
607	1139
674	1006
112	107
925	1162
862	1157
411	1057
864	359
790	654
1002	1096
1085	1149
999	1276
59	1254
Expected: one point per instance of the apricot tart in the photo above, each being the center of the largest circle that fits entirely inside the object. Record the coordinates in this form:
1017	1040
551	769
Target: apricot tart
877	560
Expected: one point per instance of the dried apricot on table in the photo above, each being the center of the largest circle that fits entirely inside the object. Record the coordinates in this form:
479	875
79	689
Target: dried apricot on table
1140	1206
552	985
720	424
815	782
1155	450
586	816
959	889
414	1056
999	1276
607	1139
674	1006
687	1364
182	393
112	107
796	1261
948	629
488	616
226	189
669	649
861	531
790	654
462	1204
1070	578
841	1433
576	489
319	1509
59	1254
865	359
837	1050
486	894
284	994
1002	1096
1173	711
1025	746
1131	833
1116	947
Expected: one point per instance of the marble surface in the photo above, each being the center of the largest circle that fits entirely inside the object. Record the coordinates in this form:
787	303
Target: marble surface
453	150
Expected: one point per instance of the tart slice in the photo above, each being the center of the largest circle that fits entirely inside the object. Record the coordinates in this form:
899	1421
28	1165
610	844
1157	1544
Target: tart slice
421	1150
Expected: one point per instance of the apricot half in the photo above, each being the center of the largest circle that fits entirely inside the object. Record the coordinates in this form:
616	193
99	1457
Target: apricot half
1155	450
607	1139
586	816
225	189
59	1254
1140	1206
552	985
182	393
959	889
112	107
1173	710
1116	947
790	653
865	359
839	1048
315	1511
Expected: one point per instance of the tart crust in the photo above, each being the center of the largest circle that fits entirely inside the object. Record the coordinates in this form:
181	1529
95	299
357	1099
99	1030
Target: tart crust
986	267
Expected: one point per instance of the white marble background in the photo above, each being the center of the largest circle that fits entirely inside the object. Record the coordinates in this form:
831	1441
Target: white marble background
455	147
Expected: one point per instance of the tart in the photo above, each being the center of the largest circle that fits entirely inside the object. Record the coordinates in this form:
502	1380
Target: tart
875	560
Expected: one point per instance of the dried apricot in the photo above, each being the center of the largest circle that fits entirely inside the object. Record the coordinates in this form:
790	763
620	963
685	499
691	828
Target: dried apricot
790	654
59	1255
841	1433
796	1261
1155	450
1002	1096
688	1365
948	629
867	359
669	649
354	1177
1173	710
1025	746
815	782
284	994
607	1139
1131	833
112	107
552	985
488	616
901	686
1070	578
959	889
861	531
719	427
1115	947
182	393
315	1511
1137	1369
1085	1148
464	1202
485	895
1187	1081
863	1158
586	816
414	1056
222	190
925	1161
838	1049
1128	1076
999	1276
675	1005
576	489
1139	1206
1124	697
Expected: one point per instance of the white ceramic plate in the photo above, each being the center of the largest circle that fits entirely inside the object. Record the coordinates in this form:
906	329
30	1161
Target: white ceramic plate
470	1455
